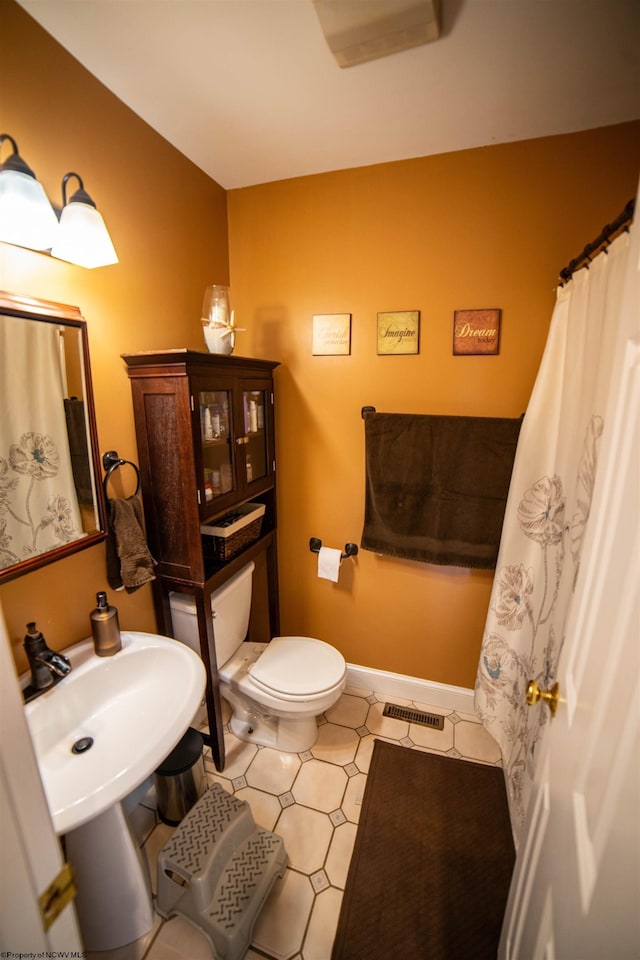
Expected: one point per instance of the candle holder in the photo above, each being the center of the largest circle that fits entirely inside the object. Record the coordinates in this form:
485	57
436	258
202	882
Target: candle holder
217	323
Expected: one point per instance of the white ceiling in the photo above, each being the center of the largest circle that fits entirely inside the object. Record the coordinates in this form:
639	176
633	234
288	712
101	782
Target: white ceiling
249	91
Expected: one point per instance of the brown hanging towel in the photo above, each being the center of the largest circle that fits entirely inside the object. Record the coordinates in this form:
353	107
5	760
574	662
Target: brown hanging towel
129	562
79	449
436	486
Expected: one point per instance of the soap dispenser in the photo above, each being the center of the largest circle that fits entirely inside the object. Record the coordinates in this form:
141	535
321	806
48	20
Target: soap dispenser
105	627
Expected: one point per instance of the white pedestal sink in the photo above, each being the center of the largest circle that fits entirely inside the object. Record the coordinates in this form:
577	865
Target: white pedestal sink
132	709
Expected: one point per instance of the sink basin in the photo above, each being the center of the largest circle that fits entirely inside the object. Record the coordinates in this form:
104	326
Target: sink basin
135	706
125	714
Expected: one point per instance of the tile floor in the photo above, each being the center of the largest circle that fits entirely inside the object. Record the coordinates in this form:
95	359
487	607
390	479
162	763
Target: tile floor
313	801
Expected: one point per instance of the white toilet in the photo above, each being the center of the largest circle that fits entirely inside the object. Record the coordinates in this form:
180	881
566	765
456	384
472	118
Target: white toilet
276	690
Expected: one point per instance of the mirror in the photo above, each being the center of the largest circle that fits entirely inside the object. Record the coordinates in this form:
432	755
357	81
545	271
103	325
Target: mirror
51	497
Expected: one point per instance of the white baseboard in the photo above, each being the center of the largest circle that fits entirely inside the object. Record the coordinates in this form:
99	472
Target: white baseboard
385	684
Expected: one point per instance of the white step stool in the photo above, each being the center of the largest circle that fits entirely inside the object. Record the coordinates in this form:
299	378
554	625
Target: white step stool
217	870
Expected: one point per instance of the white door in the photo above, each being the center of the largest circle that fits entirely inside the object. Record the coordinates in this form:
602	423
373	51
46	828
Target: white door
575	893
30	853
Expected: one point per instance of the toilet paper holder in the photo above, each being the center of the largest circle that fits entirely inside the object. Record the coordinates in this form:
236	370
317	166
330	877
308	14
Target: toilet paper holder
350	549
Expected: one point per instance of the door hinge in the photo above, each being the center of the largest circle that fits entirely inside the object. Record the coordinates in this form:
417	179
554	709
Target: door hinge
273	464
193	403
57	895
198	498
272	398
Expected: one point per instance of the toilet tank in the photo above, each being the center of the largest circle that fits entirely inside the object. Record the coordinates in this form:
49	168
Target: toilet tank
231	607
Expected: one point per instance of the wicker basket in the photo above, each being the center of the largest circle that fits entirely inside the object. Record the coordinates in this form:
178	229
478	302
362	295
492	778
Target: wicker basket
233	532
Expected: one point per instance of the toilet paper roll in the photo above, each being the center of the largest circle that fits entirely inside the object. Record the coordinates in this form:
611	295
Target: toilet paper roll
329	563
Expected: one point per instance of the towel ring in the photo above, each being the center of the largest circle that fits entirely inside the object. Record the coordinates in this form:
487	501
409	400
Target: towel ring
111	461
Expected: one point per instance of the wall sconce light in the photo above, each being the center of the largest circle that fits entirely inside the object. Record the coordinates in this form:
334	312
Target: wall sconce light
82	236
28	219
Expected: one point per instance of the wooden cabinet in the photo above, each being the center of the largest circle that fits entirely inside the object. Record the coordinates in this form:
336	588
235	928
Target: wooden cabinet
206	446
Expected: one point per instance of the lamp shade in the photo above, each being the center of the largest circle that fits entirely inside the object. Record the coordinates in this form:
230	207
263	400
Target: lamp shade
82	237
26	216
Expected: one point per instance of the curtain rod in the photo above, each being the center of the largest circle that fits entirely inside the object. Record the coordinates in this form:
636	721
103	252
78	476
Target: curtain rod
605	237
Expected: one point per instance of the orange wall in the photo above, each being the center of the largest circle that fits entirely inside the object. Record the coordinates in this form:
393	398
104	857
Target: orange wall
480	228
168	222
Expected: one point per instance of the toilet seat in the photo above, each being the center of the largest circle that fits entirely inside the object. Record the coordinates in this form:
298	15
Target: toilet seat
293	668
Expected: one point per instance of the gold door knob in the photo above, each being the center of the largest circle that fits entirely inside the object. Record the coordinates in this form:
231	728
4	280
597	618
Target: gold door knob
550	697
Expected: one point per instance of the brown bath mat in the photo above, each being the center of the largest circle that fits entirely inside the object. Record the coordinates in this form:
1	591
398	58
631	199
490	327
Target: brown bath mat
432	861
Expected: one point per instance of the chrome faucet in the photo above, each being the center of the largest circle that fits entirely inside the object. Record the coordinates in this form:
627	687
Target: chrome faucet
47	666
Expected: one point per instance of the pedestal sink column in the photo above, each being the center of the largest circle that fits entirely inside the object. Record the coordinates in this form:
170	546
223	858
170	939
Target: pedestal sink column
113	903
127	712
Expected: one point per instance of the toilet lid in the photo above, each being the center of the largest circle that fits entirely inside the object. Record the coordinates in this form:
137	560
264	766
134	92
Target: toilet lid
298	666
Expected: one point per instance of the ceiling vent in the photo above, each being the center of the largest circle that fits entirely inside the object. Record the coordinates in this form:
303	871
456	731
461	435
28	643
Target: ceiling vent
361	30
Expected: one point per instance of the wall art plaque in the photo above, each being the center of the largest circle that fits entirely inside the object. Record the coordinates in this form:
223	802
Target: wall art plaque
331	334
476	332
399	332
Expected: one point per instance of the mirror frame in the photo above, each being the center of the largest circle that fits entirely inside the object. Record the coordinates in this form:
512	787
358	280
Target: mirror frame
48	311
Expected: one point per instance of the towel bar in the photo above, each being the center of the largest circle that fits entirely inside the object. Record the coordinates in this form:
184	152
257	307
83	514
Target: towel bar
111	461
350	549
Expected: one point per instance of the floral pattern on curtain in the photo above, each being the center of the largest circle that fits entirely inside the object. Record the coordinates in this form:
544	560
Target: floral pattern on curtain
546	516
38	502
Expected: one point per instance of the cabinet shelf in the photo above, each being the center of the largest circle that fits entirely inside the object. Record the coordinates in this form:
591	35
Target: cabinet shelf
172	391
216	511
218	572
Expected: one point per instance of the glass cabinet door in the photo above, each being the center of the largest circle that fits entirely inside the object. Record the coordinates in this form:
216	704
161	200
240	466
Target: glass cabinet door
216	431
254	405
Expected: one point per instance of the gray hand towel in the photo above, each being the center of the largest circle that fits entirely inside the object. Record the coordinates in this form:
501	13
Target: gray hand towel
129	562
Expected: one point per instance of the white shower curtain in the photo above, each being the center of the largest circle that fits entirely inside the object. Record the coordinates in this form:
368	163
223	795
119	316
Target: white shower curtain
38	502
547	511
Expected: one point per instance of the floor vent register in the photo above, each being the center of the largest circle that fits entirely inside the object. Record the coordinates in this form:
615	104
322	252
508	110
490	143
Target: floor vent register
413	716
